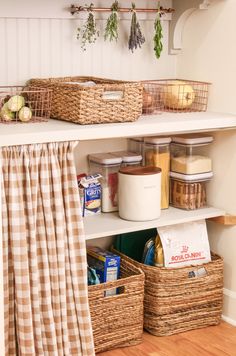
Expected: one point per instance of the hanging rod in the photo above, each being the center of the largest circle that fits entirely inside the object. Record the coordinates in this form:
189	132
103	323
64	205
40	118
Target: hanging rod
76	9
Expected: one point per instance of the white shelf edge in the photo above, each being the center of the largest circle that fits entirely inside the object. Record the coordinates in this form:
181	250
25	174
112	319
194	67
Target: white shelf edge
109	224
149	125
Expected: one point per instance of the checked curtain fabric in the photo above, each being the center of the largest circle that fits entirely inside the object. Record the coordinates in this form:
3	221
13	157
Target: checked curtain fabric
44	254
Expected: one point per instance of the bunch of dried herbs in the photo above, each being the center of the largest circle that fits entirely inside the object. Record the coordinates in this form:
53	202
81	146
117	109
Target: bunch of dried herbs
88	33
158	45
136	38
111	30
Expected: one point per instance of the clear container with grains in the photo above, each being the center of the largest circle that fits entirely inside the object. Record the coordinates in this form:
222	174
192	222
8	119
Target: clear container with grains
135	144
188	154
108	166
157	154
129	158
187	191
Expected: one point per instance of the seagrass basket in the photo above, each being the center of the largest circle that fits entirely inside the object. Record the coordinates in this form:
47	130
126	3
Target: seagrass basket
117	320
175	301
98	101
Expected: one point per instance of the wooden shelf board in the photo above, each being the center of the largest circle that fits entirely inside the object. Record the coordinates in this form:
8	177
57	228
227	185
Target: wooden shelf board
149	125
227	220
109	224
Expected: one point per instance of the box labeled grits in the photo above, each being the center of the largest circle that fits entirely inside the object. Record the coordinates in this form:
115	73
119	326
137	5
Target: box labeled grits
106	264
90	194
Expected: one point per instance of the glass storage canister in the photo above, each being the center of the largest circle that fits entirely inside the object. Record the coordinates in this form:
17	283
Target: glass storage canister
135	144
188	156
129	158
157	154
108	166
188	191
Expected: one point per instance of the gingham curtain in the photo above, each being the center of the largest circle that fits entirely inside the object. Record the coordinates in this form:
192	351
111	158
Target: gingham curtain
45	282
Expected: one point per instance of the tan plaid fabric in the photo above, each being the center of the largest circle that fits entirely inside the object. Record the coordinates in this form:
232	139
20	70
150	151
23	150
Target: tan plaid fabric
45	270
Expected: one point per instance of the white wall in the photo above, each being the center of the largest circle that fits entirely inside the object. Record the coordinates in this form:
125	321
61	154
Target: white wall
38	39
209	54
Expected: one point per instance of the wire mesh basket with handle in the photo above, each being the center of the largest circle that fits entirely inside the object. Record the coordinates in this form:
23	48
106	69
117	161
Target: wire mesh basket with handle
22	104
174	95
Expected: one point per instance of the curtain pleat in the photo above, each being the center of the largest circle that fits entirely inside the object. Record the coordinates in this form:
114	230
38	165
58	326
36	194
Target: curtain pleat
44	253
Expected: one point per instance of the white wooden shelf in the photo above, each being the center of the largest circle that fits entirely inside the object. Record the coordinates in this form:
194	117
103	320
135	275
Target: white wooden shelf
109	224
165	123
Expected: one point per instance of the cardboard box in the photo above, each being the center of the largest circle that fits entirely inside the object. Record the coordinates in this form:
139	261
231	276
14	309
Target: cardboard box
106	264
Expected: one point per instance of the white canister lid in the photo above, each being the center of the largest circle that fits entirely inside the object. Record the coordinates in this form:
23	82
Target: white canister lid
192	139
137	139
140	171
128	157
200	177
105	158
158	140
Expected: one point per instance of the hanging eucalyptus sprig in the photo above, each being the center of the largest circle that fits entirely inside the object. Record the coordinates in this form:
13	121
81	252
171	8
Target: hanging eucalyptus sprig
111	30
158	45
88	33
136	38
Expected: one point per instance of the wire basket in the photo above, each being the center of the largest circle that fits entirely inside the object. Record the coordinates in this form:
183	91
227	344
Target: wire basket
174	95
23	104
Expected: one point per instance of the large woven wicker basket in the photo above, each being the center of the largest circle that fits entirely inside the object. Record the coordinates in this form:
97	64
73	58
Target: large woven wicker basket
174	302
117	320
90	105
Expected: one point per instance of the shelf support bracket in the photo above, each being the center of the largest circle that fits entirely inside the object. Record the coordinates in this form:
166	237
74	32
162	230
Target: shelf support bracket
183	10
227	220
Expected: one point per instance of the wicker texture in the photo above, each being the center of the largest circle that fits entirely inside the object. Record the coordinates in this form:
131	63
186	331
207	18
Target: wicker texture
86	105
175	303
117	320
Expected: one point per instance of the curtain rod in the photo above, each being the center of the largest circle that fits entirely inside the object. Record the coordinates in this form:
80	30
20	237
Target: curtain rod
76	9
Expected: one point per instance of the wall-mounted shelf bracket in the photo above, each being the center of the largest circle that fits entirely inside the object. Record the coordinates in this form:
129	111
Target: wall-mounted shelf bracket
183	9
227	220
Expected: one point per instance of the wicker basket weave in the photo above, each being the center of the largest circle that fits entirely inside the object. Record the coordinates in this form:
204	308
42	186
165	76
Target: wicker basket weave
175	303
87	105
117	320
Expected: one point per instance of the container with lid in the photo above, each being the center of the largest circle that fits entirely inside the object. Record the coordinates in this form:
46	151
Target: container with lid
108	166
157	154
139	193
188	191
129	158
135	144
187	155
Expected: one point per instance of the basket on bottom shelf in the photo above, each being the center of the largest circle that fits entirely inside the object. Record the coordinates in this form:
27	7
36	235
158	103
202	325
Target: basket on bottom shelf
117	320
182	299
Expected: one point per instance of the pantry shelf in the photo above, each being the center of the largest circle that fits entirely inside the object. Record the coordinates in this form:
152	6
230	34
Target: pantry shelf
148	125
109	224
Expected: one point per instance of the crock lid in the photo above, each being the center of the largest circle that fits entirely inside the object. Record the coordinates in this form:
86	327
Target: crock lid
200	177
104	158
127	156
192	139
158	140
140	171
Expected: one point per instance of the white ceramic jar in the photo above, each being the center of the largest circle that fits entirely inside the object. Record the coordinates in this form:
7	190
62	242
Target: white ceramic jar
139	193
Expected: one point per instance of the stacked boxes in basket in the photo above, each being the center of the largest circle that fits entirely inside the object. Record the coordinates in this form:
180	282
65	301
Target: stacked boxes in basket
89	100
117	320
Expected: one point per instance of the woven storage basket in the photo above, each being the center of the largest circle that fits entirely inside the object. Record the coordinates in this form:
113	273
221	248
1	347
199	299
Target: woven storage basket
87	105
174	302
117	320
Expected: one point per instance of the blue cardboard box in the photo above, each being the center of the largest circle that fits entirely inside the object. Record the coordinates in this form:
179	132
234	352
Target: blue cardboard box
106	264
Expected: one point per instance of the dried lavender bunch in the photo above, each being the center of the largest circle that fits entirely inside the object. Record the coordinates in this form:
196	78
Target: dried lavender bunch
158	45
88	33
111	30
136	38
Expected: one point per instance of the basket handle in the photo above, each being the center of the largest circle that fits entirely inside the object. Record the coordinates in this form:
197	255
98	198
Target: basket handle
113	95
